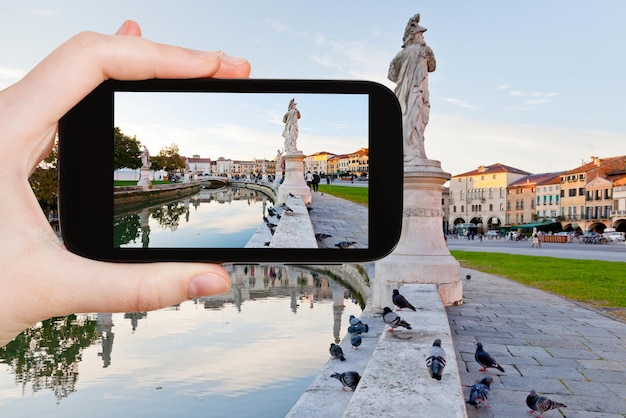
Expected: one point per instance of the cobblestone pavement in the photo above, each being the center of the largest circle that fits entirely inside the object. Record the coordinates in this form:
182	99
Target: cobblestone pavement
563	350
344	220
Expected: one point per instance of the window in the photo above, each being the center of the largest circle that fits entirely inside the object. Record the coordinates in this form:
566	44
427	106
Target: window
581	191
571	192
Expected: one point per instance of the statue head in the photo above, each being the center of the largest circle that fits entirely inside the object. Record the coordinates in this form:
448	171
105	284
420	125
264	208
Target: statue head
292	104
412	28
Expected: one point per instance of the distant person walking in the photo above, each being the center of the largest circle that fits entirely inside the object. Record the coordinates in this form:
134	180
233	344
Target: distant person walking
316	182
309	179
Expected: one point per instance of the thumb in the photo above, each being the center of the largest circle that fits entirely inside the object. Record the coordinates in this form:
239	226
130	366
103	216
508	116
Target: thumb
83	285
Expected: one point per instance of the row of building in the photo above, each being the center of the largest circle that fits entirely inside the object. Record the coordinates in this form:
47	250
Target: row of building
591	197
323	163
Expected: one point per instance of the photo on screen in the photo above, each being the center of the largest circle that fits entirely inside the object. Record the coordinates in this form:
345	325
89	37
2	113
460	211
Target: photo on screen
240	170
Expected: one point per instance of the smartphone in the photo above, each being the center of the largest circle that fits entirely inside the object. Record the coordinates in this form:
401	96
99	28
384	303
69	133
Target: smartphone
232	171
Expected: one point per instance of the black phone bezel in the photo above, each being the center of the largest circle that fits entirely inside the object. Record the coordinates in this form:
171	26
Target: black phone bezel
85	174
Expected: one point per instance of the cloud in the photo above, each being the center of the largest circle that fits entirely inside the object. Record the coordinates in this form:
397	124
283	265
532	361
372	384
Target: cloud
276	25
529	97
354	59
49	14
461	103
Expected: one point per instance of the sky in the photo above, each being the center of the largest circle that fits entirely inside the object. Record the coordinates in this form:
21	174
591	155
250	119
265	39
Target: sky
538	85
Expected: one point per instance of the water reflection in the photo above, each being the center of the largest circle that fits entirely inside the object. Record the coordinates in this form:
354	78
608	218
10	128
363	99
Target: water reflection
250	352
222	218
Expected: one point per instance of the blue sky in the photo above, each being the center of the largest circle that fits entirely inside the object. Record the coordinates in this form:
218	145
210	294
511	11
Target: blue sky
538	85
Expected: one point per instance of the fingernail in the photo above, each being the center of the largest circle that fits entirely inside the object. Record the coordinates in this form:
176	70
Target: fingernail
122	28
228	59
207	285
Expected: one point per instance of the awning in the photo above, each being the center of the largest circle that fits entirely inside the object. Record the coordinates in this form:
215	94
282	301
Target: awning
539	225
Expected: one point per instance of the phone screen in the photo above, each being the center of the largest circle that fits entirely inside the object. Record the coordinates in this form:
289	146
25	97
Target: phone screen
240	170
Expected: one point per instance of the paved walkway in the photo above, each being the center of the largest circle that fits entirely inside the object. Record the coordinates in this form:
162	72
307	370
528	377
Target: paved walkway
570	354
344	220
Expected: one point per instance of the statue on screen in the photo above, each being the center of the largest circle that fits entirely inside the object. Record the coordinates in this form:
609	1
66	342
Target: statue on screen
291	128
409	70
145	157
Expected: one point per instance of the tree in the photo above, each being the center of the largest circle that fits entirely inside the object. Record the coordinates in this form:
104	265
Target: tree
126	150
168	159
44	181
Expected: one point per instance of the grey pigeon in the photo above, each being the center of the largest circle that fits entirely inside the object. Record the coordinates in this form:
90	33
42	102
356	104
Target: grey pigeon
336	352
436	360
286	208
394	320
345	244
321	236
400	301
484	359
356	341
347	379
358	329
357	326
354	320
480	392
541	404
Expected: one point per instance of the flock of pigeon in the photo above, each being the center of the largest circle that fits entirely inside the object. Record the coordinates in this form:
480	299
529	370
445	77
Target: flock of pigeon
479	393
435	362
284	209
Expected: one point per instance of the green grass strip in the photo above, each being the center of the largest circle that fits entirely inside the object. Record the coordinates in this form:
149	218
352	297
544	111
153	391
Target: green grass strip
353	194
598	283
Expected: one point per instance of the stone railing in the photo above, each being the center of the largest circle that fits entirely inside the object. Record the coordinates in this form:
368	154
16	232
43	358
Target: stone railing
394	378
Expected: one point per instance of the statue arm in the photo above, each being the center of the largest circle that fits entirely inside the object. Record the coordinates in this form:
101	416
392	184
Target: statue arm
430	59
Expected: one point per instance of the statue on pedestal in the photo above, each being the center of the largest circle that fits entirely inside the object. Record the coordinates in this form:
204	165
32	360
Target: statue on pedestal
145	157
409	69
291	127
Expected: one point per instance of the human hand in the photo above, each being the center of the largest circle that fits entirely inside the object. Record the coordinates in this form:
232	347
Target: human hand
39	278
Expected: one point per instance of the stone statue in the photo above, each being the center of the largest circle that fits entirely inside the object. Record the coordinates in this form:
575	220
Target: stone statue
291	127
409	69
145	158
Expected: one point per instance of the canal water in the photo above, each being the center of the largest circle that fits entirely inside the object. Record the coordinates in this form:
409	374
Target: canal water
249	353
222	218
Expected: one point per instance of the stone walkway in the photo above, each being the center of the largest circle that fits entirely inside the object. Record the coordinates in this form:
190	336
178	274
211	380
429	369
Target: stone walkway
344	220
561	349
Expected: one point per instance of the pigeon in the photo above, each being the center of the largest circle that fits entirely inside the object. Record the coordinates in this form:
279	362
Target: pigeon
322	236
436	360
286	208
400	301
336	352
541	404
358	329
291	194
354	320
271	211
480	392
394	320
345	244
347	379
356	341
484	359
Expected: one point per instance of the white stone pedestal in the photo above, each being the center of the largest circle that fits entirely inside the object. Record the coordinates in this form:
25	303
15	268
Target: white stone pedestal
294	182
144	178
422	255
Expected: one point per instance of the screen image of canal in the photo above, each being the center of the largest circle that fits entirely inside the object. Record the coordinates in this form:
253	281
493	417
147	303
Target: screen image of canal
224	218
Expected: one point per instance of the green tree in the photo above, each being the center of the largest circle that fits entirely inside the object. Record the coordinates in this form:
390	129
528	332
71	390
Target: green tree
126	150
45	182
168	159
